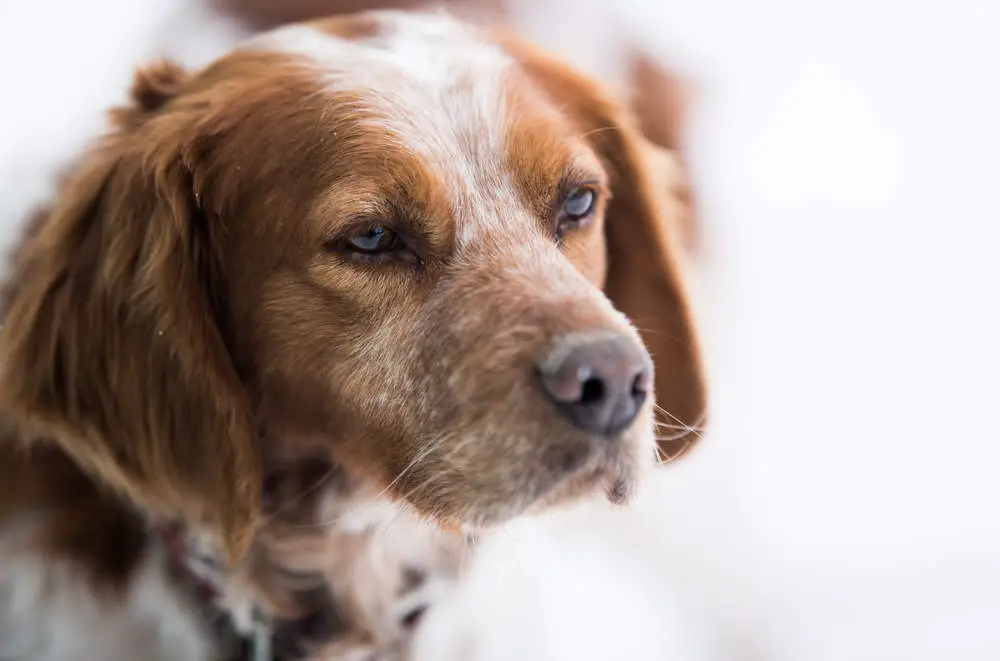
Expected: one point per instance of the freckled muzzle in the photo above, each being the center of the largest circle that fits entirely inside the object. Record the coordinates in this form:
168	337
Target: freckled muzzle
538	388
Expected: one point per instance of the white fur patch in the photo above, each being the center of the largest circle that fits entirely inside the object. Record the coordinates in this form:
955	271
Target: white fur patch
437	87
375	543
49	611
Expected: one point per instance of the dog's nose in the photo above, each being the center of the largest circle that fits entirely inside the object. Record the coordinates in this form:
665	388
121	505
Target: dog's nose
599	385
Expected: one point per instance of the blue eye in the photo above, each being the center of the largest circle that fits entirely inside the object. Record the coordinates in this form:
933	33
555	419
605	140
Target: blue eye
579	203
576	210
375	240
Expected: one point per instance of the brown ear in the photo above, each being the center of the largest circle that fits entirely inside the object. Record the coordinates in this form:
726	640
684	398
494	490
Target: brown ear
644	278
111	343
659	100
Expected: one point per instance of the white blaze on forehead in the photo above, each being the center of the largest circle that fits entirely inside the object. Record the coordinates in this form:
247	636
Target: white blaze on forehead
436	87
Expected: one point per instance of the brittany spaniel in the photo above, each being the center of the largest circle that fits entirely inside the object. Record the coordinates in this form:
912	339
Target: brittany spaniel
305	318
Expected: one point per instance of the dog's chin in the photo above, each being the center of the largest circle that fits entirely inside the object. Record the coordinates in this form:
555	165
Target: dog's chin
615	472
615	476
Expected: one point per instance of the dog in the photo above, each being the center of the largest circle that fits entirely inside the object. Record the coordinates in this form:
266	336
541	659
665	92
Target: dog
383	274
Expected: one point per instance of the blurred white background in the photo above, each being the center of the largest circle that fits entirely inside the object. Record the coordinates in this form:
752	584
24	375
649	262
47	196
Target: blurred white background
846	501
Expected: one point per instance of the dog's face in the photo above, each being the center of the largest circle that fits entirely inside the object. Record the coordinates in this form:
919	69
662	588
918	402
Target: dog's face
447	252
394	237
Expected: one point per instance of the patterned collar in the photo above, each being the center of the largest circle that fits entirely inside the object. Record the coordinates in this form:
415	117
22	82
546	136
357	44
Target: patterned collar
203	576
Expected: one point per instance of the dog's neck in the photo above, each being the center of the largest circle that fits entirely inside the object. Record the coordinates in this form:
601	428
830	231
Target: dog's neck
244	627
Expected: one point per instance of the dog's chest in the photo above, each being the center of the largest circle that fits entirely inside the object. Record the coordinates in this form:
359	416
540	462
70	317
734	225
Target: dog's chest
49	611
379	569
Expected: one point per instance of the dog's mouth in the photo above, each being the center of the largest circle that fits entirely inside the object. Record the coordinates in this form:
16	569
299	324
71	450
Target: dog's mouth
468	495
615	474
617	480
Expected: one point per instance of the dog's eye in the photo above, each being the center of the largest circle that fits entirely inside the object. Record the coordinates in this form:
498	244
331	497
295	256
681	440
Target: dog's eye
579	203
576	209
375	241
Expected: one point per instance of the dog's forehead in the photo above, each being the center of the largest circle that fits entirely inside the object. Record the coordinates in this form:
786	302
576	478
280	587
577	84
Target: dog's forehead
433	50
429	84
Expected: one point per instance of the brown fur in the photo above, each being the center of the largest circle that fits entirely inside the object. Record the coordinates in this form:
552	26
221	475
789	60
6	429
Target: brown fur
177	324
89	524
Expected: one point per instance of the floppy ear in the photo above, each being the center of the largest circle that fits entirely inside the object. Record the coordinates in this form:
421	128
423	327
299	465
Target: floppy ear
643	217
111	342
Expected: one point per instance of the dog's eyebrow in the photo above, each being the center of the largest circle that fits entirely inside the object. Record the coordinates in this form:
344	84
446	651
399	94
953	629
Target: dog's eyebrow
393	199
578	174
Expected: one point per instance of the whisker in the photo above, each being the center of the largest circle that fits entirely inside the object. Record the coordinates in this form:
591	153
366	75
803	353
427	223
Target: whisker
673	417
695	427
656	331
683	431
676	437
423	485
423	454
601	130
667	425
662	458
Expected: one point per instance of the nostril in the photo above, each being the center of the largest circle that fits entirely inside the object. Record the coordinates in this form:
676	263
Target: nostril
641	384
565	386
593	391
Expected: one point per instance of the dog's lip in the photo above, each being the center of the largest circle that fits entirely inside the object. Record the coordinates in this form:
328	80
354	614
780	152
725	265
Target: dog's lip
615	479
610	474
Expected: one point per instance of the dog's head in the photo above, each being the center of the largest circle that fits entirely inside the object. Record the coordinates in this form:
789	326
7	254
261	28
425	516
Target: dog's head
431	251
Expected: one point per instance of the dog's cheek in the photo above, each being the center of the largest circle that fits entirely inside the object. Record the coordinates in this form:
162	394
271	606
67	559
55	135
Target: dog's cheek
588	252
